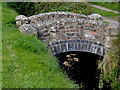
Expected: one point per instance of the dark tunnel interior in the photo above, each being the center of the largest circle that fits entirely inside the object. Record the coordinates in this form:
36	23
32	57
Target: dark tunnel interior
84	72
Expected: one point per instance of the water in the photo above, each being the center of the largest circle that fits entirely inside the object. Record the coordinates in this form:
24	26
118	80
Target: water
84	72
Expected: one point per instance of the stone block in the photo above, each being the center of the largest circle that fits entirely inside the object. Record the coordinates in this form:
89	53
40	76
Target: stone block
95	16
28	29
21	19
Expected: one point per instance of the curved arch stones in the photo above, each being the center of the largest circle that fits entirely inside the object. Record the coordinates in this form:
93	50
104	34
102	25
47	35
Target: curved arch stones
65	31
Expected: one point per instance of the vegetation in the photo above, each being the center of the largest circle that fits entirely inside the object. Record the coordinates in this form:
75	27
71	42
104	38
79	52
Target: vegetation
110	67
31	8
112	74
104	13
26	60
109	5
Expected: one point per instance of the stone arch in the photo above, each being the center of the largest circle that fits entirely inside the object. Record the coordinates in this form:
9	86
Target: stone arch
66	31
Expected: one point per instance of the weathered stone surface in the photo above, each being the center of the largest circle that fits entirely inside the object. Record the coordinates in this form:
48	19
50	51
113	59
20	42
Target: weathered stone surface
28	29
65	31
78	45
21	19
95	16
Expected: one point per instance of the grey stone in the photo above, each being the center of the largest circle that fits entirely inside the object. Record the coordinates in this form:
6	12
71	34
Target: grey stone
28	29
21	19
95	16
65	26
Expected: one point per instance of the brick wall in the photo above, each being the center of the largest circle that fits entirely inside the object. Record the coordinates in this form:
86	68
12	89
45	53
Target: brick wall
64	31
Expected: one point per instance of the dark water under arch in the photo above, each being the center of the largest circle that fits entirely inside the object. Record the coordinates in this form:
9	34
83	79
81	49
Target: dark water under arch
85	72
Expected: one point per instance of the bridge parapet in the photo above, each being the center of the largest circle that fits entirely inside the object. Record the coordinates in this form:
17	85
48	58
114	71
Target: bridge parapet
64	31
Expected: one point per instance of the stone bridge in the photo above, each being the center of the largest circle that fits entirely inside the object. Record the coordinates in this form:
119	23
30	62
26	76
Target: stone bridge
67	32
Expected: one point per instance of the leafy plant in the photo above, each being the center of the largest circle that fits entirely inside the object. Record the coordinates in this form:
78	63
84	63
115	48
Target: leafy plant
31	8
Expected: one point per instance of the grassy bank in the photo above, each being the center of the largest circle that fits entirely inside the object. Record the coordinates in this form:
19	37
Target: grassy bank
109	5
110	67
26	60
104	13
111	70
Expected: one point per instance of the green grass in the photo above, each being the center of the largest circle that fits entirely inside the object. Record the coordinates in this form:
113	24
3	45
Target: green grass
106	22
104	13
112	65
109	5
31	8
26	61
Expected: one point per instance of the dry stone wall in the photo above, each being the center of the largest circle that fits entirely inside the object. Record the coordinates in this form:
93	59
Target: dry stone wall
65	31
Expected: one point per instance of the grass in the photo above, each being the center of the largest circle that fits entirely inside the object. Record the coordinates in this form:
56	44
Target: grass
43	7
104	13
109	5
112	66
106	22
26	62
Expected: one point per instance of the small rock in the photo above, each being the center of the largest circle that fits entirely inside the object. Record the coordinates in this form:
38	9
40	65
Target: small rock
95	16
68	56
70	59
28	29
21	19
73	54
66	64
76	59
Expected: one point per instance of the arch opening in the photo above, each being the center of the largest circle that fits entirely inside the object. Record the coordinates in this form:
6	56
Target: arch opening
84	72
